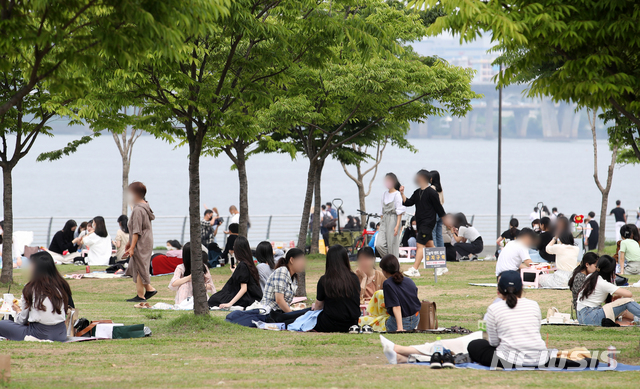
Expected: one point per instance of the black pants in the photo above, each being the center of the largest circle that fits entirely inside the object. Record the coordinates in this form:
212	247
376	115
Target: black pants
469	248
286	317
480	351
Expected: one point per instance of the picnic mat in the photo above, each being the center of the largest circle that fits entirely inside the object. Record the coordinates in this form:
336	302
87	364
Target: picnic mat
525	287
603	367
94	275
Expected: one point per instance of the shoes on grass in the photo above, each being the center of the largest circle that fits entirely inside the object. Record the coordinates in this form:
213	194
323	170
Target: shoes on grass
412	272
436	361
150	294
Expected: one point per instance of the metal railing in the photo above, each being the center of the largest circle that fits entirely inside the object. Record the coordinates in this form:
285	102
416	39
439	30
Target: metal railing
263	227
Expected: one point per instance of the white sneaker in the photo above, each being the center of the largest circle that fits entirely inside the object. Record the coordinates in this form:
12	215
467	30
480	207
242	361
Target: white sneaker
441	270
412	272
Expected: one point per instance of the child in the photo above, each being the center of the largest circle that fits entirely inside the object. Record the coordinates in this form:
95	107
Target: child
428	205
392	210
371	279
515	255
400	296
181	281
468	240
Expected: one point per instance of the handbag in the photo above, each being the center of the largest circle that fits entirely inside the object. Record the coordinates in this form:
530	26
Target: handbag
127	332
428	316
621	281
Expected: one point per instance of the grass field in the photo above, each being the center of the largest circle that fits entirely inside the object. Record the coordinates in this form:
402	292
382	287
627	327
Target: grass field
191	352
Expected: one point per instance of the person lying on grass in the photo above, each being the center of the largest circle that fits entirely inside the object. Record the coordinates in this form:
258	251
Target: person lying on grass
43	307
243	288
596	291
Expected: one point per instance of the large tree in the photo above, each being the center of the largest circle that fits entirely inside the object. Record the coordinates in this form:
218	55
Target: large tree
583	51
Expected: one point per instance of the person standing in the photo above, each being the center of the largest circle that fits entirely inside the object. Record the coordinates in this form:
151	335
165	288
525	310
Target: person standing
140	246
592	232
438	241
392	210
621	218
428	206
235	215
333	212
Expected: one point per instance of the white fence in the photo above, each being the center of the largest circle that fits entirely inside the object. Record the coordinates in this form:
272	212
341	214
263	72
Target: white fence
263	227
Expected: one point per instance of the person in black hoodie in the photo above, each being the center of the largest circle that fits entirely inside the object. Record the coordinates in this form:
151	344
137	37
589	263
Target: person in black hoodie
428	205
63	240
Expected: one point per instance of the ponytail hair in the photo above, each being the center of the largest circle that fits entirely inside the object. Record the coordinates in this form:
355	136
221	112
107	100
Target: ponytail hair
513	227
588	259
390	264
605	267
511	296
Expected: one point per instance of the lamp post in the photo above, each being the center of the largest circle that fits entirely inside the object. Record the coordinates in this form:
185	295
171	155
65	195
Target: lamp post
499	154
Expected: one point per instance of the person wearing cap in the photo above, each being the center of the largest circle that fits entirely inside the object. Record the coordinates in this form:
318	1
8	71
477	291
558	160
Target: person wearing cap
513	327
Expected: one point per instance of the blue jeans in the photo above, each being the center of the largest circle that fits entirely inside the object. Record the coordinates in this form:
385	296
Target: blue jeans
408	323
593	316
437	233
535	256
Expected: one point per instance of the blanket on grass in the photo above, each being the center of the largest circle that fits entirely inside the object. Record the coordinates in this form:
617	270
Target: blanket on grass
603	367
526	287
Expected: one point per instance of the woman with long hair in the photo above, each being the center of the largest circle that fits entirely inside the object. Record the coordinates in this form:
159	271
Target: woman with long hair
596	291
281	287
98	242
629	250
388	241
338	293
438	239
468	240
140	246
243	288
122	237
43	307
64	246
266	263
181	281
566	251
400	297
586	267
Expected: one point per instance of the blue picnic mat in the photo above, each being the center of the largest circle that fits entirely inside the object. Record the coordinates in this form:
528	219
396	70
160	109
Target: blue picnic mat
603	367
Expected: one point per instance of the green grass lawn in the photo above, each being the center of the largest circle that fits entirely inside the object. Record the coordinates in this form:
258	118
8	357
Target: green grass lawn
191	352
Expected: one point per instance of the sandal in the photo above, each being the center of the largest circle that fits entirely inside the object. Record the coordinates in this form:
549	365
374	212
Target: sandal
142	305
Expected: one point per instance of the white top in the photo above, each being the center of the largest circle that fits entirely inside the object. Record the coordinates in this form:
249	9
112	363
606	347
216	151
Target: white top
33	315
470	233
566	256
533	216
516	332
599	295
395	197
234	219
99	249
512	256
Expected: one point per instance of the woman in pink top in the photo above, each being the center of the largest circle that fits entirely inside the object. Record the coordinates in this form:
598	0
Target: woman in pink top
181	281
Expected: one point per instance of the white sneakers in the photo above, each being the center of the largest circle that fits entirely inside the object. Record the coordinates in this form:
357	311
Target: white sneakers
412	272
441	270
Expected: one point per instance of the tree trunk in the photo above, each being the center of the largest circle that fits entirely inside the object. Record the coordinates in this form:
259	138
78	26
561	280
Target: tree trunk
200	303
362	196
7	238
244	193
126	165
306	209
315	232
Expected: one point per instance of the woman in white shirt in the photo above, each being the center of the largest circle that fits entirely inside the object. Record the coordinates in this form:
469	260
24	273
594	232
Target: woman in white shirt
388	241
596	291
45	300
468	240
98	242
566	252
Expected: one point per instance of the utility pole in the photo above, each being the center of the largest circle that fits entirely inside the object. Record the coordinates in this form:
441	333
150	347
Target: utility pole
498	229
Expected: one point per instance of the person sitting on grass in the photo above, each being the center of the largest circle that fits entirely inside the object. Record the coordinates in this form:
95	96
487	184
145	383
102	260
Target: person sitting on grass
629	250
513	327
338	294
243	288
596	291
266	263
371	279
181	281
43	307
400	296
468	240
566	252
281	288
515	255
587	266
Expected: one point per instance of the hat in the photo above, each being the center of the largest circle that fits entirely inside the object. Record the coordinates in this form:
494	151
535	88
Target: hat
508	279
278	254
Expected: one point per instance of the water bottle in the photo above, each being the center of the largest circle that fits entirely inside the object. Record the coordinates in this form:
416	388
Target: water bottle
611	354
437	347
